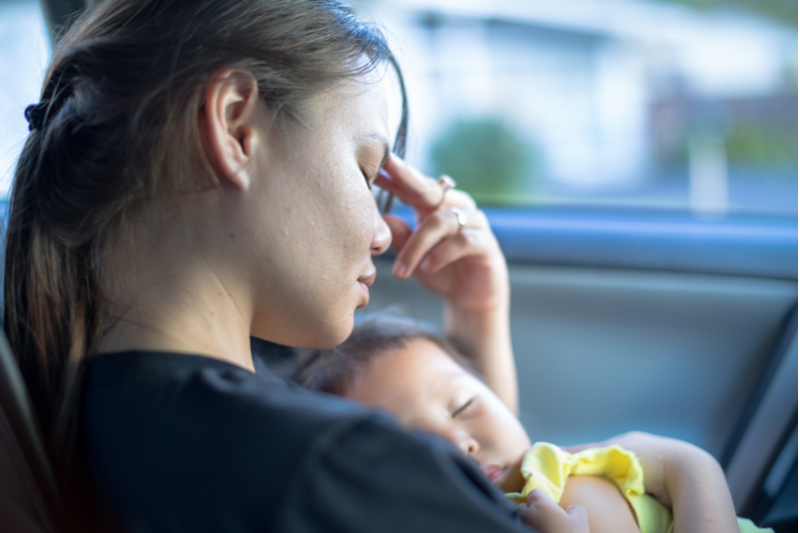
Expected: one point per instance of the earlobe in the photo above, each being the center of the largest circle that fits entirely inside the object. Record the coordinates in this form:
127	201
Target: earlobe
229	123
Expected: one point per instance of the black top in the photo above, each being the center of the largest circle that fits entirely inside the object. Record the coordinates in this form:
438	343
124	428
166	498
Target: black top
179	442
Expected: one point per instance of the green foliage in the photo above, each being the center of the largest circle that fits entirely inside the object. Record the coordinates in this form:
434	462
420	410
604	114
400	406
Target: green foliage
761	145
782	10
486	157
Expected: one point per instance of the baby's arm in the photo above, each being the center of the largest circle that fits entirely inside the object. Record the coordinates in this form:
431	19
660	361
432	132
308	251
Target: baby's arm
684	478
607	509
701	500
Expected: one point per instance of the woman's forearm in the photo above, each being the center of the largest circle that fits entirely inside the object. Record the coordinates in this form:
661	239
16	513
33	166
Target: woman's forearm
485	338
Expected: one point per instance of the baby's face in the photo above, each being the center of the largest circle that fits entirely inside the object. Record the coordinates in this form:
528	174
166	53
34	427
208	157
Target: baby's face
426	389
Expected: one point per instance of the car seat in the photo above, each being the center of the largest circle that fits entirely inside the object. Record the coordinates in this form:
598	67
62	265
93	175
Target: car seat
29	499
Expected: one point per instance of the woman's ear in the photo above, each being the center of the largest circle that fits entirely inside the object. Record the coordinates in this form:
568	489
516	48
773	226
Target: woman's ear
229	124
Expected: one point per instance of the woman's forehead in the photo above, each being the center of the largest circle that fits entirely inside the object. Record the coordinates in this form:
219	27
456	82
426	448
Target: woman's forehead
351	106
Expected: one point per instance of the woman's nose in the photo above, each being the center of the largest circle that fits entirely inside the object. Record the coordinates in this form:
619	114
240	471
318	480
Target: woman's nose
381	234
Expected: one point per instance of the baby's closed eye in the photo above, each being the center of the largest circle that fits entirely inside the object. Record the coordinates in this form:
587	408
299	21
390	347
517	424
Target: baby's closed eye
463	407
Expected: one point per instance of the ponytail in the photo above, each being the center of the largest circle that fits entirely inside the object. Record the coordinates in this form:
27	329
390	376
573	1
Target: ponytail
51	275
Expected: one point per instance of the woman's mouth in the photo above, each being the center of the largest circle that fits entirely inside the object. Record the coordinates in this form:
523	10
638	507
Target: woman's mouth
365	282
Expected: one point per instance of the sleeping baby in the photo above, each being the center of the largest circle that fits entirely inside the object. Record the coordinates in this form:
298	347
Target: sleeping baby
405	368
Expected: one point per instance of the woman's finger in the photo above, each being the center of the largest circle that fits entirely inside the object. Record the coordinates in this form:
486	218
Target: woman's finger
422	193
434	229
409	185
400	232
461	244
473	240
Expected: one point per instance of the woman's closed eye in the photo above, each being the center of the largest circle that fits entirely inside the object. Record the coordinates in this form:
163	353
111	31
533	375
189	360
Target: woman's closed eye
367	179
462	408
370	174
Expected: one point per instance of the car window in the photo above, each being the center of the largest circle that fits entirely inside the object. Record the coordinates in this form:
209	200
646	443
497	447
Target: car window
677	105
24	55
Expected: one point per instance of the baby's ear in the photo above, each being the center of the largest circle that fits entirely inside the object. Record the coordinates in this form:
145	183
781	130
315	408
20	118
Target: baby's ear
228	124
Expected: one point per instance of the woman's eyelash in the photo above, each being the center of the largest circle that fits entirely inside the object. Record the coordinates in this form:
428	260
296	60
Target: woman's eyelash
366	178
461	409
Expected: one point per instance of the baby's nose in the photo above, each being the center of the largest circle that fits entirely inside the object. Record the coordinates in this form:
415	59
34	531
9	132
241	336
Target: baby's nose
469	446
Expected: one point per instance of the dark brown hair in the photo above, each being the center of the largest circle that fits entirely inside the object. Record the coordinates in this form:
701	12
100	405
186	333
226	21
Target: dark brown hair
333	370
117	127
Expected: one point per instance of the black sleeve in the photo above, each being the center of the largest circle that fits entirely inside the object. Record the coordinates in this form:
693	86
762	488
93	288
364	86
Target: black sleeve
373	477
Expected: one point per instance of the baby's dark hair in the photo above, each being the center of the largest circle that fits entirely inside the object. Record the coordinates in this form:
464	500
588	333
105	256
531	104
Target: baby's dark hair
333	370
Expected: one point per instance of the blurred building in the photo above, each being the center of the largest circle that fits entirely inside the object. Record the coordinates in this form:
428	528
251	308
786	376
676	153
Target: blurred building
616	98
616	102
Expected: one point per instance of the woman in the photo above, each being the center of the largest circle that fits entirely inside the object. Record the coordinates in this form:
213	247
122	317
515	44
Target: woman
199	172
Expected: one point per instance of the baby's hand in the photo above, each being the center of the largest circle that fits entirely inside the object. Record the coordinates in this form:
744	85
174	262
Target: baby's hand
544	515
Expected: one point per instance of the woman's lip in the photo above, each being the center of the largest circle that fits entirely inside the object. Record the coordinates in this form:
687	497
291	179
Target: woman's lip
365	288
493	472
368	280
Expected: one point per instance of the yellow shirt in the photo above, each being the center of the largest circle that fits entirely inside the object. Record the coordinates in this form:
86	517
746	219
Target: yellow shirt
547	467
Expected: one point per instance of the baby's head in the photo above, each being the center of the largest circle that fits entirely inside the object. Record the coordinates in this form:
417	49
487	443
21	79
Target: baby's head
406	369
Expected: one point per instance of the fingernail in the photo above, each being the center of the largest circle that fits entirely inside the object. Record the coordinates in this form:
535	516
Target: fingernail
399	270
426	264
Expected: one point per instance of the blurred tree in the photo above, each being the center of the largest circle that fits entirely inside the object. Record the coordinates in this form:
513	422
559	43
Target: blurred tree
486	157
783	10
762	145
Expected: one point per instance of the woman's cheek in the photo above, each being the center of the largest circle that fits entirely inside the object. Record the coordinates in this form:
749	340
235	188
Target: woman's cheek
364	218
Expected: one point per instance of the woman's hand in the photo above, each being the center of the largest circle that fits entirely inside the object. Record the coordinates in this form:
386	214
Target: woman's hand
461	263
543	514
464	265
683	478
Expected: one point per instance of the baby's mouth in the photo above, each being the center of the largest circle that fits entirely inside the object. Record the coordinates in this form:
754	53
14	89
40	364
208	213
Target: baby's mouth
493	471
507	478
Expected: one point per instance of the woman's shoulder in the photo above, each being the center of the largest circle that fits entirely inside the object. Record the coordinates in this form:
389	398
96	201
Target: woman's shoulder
164	432
191	391
202	442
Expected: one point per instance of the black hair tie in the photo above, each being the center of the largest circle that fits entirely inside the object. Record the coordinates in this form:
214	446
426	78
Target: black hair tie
35	115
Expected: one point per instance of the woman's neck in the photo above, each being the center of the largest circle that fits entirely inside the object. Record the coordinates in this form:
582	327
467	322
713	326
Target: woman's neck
164	290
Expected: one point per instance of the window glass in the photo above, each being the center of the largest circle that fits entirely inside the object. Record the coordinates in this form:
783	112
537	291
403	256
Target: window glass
688	105
24	56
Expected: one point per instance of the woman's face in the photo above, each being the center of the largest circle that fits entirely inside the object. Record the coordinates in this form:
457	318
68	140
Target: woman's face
428	390
316	225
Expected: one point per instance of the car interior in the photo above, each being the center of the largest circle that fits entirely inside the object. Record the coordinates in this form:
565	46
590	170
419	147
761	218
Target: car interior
631	319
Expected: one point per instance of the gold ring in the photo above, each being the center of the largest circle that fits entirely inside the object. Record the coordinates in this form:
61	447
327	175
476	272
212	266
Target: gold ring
446	183
461	216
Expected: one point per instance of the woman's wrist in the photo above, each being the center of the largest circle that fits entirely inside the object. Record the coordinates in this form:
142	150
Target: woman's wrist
491	318
475	331
484	337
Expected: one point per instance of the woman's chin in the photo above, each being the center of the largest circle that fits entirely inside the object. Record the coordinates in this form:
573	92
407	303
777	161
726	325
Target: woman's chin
312	335
330	336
